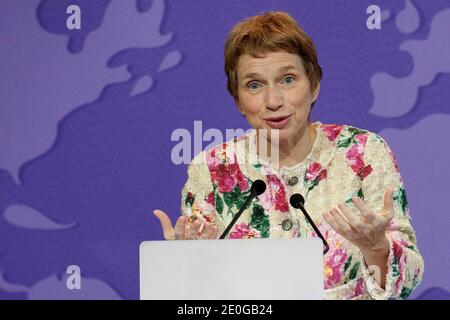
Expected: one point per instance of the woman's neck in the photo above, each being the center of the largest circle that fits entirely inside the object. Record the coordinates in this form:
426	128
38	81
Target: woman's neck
291	152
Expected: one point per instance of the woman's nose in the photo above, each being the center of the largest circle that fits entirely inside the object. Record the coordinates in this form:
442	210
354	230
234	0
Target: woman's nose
274	98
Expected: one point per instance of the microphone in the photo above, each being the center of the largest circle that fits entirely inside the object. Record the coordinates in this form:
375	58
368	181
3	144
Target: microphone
297	201
258	187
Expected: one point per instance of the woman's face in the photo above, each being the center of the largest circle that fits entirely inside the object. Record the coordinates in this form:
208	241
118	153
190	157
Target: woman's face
275	93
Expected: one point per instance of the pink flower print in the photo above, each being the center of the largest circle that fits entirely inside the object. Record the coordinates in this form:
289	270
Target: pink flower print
210	198
404	243
240	178
332	131
226	174
398	264
313	171
334	268
224	179
243	231
314	174
355	157
361	139
211	159
275	195
359	288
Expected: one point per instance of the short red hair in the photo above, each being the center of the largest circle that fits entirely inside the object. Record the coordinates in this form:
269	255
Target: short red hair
269	32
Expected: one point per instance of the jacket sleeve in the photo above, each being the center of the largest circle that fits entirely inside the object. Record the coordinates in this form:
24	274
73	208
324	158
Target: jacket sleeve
405	263
198	194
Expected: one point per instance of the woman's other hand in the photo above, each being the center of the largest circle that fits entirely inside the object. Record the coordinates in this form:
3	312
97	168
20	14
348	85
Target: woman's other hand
184	229
367	231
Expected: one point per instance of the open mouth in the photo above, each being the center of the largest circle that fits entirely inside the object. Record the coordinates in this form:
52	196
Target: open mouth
278	122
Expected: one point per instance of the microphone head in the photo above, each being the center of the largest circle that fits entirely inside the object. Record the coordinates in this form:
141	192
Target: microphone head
297	200
258	187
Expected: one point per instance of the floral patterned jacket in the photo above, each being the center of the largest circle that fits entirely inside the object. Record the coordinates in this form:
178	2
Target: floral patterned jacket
344	161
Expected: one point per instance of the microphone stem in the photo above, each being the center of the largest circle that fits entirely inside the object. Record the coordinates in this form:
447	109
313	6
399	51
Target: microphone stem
237	215
325	243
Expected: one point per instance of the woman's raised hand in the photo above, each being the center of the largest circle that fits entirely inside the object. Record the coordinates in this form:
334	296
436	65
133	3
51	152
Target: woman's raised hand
367	231
185	229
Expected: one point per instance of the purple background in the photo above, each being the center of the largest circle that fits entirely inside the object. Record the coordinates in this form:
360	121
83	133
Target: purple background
86	118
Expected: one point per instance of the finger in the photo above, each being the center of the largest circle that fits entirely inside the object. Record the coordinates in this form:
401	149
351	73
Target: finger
343	225
193	229
214	232
204	232
388	208
351	218
330	220
180	228
366	212
209	232
166	224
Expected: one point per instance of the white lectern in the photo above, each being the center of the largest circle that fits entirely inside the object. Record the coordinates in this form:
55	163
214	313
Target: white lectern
244	269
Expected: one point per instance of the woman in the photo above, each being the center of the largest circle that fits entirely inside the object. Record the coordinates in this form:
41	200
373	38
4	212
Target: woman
348	176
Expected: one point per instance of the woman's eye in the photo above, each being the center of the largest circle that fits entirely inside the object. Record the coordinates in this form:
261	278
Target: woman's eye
289	80
253	85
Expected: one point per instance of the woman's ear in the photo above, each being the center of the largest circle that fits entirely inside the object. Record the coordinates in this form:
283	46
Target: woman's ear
316	92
